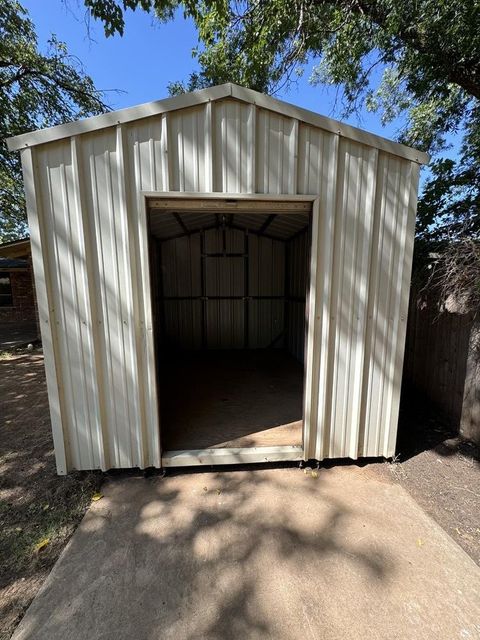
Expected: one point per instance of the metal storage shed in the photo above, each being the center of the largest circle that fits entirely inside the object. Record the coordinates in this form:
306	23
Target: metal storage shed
219	220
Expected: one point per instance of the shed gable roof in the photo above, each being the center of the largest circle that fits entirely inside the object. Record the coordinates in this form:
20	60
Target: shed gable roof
213	94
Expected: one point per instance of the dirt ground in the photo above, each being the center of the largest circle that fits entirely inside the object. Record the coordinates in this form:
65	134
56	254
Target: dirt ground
440	471
37	507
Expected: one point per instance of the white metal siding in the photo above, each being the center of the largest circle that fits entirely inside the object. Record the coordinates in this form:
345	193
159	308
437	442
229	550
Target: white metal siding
71	316
188	154
266	274
388	303
297	258
352	247
234	147
224	320
89	241
276	144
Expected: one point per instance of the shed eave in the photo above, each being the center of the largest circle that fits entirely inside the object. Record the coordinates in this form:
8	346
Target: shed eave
219	92
329	124
121	116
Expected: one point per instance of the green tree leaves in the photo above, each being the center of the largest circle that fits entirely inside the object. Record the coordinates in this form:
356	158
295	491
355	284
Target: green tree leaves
427	52
36	90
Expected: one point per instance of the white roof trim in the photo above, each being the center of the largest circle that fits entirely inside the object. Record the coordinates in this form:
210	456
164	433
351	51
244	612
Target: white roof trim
131	114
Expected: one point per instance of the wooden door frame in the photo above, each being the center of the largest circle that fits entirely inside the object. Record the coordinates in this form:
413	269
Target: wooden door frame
282	203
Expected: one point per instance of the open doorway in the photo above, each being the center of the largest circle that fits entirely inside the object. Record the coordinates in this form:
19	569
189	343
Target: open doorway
229	290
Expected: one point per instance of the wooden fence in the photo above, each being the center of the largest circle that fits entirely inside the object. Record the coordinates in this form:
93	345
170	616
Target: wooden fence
442	362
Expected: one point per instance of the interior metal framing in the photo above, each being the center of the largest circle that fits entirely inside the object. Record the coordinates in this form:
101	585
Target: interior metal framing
174	203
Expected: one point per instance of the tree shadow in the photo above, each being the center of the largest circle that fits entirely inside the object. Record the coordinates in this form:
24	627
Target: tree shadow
211	555
35	503
422	427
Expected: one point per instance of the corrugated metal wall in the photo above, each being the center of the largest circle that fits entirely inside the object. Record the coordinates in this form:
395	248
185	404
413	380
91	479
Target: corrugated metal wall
266	267
297	272
89	234
214	301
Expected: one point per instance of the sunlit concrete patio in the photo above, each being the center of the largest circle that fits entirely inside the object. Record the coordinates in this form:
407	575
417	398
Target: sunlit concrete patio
261	554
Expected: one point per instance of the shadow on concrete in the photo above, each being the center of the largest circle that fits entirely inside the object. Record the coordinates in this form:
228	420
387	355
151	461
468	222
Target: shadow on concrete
211	555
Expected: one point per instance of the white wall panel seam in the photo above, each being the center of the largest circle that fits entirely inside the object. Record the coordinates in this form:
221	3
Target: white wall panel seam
392	218
46	308
165	157
238	146
328	221
109	398
208	147
151	151
312	354
142	284
114	304
294	142
74	320
195	143
372	419
359	216
265	187
348	302
130	228
251	148
400	221
61	320
369	338
97	411
411	189
222	113
179	156
391	321
356	423
400	267
375	394
339	261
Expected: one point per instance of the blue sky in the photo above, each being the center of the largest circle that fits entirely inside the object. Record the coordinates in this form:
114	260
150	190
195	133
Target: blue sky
150	55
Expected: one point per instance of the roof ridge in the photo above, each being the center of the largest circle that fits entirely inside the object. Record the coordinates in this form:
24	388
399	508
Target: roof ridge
213	94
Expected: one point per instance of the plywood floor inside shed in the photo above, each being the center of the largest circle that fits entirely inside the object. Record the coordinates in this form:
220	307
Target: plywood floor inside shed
231	399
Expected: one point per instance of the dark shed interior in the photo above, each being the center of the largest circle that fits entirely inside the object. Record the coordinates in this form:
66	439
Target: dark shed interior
229	304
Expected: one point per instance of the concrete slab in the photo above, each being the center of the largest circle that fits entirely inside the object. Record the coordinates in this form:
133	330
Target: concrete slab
256	555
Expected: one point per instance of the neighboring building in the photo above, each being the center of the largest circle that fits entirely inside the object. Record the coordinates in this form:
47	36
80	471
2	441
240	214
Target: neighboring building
17	296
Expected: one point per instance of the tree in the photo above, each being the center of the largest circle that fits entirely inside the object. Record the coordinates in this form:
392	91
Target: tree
426	53
36	90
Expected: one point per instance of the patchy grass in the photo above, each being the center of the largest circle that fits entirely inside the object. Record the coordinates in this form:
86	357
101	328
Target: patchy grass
38	509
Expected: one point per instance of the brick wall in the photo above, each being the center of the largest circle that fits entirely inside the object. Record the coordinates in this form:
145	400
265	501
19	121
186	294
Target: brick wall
23	309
